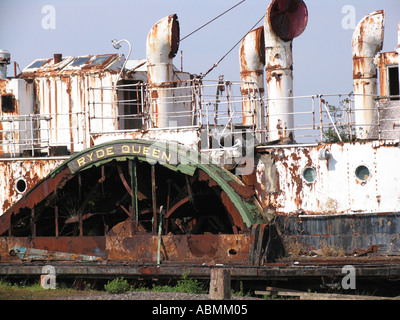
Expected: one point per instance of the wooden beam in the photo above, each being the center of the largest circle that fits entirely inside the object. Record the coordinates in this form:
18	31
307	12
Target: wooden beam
220	284
272	291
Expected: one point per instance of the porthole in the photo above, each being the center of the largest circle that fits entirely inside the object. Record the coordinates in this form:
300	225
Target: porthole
309	174
362	173
21	185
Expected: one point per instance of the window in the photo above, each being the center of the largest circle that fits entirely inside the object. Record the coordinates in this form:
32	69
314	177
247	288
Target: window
309	174
7	103
393	81
80	61
362	173
129	104
99	60
37	64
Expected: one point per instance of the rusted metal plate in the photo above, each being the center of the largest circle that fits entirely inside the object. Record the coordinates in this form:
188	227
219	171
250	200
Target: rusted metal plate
231	249
228	249
198	249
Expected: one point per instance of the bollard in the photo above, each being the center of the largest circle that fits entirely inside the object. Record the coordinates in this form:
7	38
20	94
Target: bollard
220	284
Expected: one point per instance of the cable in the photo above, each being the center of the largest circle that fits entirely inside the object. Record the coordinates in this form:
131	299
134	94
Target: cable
216	64
211	20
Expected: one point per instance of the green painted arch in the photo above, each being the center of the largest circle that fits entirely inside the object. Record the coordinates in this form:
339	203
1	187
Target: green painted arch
175	157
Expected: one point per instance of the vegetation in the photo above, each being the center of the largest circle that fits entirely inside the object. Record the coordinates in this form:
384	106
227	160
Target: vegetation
25	290
118	285
346	130
241	292
32	290
184	285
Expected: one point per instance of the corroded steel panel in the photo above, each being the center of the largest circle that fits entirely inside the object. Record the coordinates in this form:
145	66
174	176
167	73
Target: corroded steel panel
300	181
341	235
18	176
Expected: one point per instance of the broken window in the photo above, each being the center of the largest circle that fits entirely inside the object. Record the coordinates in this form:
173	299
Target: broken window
393	82
99	60
80	61
129	104
7	103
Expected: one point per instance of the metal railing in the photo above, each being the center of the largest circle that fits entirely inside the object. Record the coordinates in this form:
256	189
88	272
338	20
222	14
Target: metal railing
221	112
218	108
34	134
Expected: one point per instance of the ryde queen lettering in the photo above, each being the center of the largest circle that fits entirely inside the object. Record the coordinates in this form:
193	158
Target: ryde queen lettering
124	149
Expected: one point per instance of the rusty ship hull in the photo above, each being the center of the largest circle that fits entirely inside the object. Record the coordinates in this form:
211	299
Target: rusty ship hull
111	166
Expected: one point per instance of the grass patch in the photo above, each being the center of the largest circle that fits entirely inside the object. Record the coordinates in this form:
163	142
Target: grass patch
185	285
34	291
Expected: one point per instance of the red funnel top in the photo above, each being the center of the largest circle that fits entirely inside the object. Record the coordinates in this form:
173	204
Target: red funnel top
288	18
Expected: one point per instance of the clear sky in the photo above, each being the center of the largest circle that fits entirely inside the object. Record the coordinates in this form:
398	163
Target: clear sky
322	54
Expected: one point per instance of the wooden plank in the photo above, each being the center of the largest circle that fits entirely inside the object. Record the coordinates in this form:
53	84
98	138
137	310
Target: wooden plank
272	291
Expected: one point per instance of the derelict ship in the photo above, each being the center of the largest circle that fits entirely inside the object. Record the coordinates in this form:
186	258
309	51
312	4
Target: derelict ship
107	160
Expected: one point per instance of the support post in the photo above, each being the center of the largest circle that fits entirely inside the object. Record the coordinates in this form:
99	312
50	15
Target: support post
80	209
134	188
55	214
159	237
220	284
56	220
33	223
153	196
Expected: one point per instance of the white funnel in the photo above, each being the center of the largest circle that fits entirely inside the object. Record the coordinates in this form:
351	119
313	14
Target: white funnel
367	41
284	20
